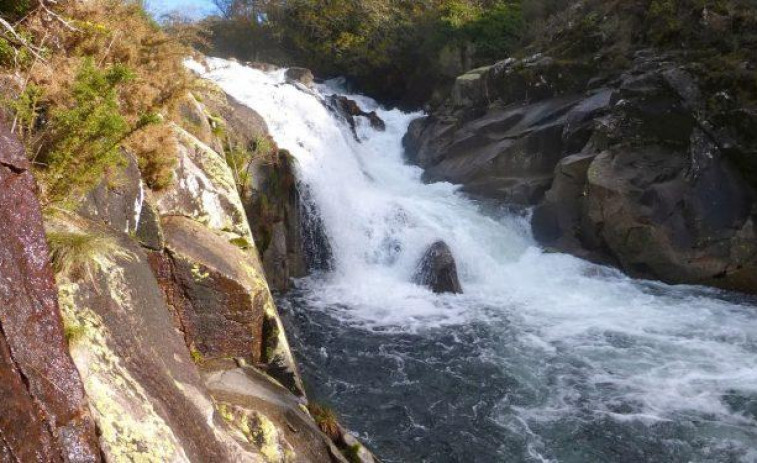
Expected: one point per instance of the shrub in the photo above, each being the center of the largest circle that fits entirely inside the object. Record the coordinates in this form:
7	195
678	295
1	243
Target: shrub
14	8
78	255
106	70
85	137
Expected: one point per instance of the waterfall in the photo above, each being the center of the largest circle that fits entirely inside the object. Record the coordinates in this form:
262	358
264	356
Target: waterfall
545	357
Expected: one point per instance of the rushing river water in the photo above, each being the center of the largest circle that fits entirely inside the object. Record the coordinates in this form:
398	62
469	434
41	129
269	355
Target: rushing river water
545	358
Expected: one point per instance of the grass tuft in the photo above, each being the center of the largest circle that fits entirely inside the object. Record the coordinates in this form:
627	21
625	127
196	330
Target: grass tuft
79	255
326	420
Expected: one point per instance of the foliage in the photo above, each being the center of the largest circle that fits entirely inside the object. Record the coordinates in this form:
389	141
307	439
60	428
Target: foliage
94	76
73	332
85	136
14	8
79	255
326	420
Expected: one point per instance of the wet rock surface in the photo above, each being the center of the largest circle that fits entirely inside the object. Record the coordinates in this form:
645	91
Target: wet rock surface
437	270
45	415
631	169
349	110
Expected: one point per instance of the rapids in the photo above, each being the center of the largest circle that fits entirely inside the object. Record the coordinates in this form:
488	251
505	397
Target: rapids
545	358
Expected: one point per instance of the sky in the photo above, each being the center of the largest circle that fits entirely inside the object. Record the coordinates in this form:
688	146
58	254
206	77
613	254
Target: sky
191	8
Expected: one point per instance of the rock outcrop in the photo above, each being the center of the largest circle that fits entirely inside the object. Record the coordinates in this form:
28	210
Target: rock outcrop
45	414
437	270
300	76
269	195
170	320
637	169
349	110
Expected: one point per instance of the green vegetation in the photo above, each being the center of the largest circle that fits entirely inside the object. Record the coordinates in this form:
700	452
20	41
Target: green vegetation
196	355
326	420
85	138
352	453
14	8
78	255
400	50
90	81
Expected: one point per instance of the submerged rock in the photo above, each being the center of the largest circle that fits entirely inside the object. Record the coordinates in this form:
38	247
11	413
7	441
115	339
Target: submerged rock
437	270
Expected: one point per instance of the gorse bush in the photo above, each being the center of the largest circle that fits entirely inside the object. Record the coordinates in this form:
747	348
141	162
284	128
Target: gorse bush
94	76
86	136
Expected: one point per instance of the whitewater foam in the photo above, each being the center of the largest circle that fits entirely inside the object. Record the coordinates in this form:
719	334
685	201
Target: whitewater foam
586	337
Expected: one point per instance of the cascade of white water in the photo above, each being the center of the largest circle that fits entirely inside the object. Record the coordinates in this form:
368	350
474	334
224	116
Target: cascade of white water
667	350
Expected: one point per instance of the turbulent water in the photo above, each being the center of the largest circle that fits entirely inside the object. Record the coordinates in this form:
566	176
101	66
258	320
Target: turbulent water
545	358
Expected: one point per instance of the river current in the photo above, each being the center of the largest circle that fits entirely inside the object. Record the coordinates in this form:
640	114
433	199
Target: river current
544	358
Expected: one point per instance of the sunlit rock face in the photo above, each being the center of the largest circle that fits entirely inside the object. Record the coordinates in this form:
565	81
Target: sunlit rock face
45	415
181	287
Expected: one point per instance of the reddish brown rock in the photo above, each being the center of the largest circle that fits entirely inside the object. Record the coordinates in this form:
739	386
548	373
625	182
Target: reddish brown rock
38	378
209	283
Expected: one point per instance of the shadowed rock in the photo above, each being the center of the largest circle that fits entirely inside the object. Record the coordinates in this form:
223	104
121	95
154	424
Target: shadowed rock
349	110
437	270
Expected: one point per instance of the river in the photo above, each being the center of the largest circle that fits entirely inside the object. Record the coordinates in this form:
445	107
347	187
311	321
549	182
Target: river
544	358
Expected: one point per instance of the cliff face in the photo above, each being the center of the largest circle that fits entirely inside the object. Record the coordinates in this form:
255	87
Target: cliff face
45	415
167	344
648	168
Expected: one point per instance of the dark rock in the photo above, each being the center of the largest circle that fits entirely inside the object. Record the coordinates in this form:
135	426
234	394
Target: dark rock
300	75
639	170
272	203
117	200
149	229
45	413
349	110
509	154
437	270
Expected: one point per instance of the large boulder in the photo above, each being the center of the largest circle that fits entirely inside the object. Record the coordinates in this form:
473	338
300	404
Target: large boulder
45	414
212	260
508	153
214	289
437	270
272	203
637	169
268	192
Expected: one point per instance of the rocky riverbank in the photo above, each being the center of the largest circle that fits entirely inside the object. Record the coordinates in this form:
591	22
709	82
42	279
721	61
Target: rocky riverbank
162	341
648	168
